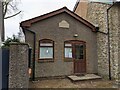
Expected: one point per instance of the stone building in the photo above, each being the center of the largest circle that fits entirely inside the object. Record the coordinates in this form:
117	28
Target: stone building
97	13
114	28
63	44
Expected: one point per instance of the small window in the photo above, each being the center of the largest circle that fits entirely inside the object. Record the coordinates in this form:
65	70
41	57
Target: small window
68	50
46	50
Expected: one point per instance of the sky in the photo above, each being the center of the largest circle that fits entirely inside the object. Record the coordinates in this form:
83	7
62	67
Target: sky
33	8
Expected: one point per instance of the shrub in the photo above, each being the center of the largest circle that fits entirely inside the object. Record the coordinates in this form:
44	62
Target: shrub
9	40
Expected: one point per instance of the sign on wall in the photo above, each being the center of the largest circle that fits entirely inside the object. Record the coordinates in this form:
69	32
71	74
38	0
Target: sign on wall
64	24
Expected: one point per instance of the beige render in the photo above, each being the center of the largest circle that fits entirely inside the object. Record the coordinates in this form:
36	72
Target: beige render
81	10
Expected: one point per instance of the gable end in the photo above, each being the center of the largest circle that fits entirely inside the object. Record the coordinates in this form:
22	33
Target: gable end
28	23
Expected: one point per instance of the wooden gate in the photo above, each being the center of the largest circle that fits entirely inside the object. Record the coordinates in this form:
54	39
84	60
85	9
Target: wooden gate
5	68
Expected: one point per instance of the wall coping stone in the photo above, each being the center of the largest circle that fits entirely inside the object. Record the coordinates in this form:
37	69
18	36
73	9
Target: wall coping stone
100	3
18	43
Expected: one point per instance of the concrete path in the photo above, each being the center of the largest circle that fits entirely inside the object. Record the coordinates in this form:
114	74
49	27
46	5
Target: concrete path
66	83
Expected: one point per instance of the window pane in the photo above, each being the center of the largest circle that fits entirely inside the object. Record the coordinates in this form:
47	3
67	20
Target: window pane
46	52
46	44
68	52
79	52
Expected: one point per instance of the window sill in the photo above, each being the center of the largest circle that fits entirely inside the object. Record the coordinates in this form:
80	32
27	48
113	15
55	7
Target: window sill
68	60
45	60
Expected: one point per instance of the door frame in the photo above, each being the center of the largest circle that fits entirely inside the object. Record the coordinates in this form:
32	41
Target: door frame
72	42
73	48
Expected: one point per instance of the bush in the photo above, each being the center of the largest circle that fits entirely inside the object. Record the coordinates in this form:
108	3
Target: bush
9	40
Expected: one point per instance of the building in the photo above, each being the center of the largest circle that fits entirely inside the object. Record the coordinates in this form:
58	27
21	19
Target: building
101	14
114	30
63	44
81	8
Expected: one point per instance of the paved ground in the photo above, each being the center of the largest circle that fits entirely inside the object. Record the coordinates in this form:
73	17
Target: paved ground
66	83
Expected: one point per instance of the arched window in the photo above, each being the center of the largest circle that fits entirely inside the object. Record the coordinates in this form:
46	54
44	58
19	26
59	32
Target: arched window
46	49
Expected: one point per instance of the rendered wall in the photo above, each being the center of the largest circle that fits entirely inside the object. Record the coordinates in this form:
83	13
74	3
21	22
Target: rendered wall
81	9
49	29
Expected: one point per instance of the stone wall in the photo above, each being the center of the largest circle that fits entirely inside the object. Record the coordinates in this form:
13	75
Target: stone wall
119	42
0	68
18	66
97	15
114	26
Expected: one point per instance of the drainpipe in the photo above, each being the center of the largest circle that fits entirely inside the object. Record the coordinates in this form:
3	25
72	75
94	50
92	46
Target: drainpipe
108	34
109	60
34	46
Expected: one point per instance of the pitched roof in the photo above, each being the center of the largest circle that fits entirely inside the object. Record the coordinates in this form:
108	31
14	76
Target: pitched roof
27	23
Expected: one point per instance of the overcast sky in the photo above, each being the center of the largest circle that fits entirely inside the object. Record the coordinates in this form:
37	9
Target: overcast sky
32	8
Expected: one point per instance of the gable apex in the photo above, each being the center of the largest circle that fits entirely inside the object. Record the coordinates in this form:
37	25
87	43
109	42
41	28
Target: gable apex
28	23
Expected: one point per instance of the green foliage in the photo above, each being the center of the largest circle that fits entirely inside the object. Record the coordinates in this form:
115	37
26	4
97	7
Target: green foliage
9	40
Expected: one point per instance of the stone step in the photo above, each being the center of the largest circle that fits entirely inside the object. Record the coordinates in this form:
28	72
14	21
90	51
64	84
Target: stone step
85	77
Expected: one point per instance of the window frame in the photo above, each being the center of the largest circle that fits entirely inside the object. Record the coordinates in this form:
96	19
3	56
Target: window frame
45	41
72	42
67	58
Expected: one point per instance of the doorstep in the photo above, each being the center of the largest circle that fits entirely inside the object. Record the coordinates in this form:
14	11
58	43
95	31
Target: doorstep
85	77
